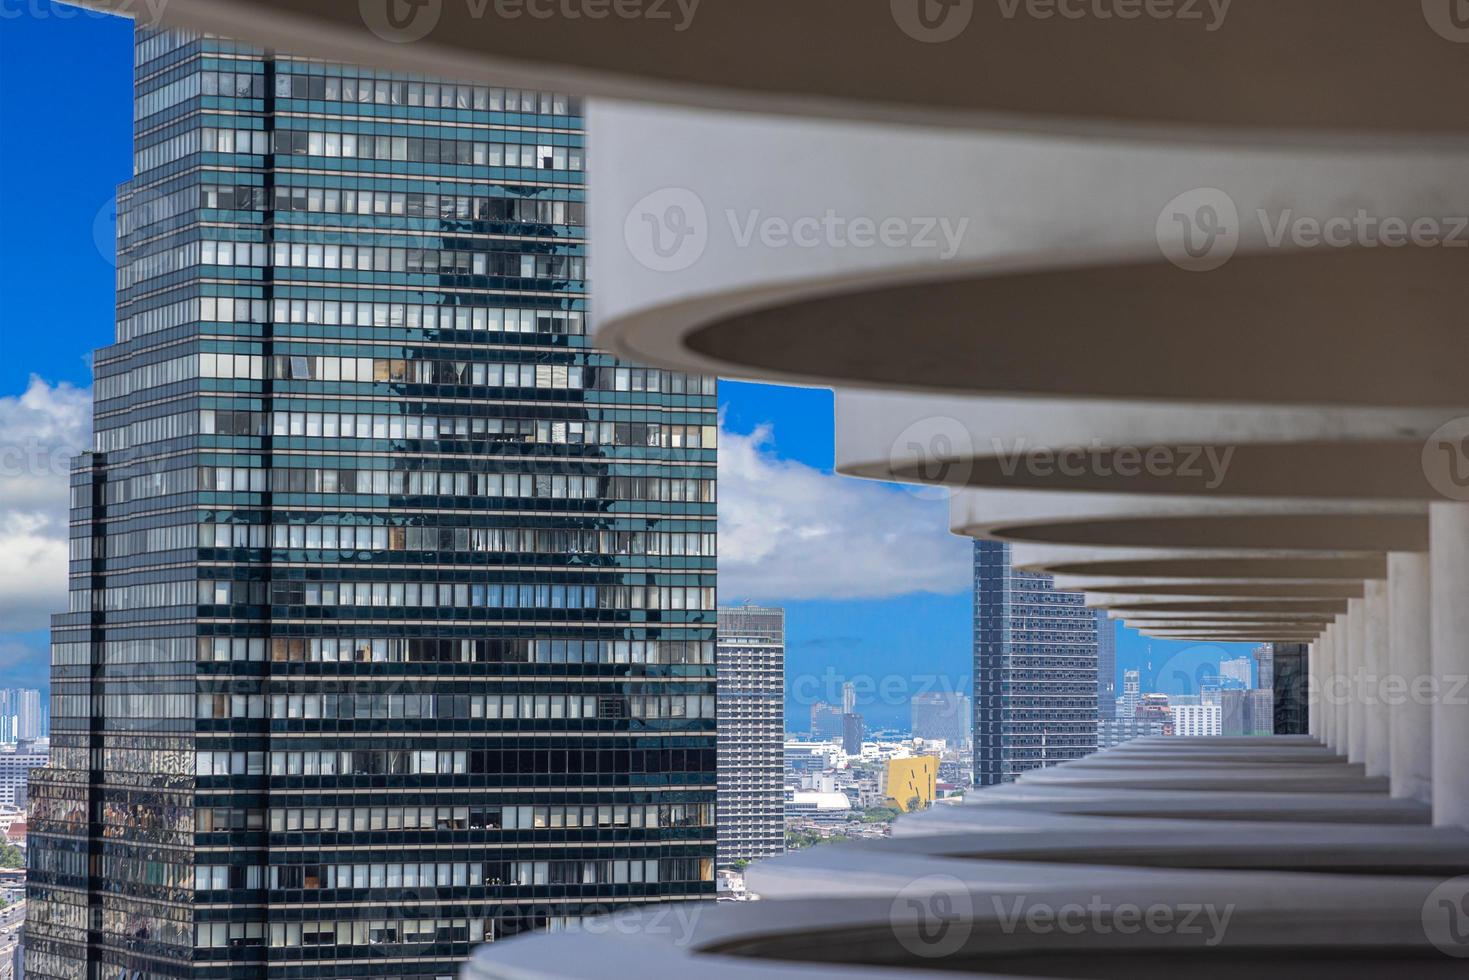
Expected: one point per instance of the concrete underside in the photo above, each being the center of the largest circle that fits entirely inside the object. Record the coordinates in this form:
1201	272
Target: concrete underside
1295	864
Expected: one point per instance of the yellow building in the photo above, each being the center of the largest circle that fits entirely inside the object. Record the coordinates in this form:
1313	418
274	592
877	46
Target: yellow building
906	780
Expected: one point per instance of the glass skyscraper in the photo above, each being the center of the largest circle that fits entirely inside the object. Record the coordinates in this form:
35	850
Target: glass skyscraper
1035	670
392	615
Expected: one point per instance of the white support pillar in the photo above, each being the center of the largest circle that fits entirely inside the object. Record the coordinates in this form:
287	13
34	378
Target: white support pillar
1409	668
1342	692
1321	686
1332	693
1378	755
1448	542
1356	740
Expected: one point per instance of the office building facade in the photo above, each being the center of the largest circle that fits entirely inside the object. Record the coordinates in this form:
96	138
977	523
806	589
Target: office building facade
1035	670
1196	720
942	715
1106	666
826	721
16	771
751	669
392	618
22	715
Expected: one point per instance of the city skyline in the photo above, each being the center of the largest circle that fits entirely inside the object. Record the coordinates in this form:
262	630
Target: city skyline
858	602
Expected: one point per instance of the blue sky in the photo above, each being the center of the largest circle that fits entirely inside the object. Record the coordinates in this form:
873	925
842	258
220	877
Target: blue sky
894	616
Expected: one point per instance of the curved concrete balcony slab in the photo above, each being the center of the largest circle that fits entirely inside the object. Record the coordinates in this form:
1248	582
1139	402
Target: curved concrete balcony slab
998	861
1200	564
1251	779
1139	521
727	246
1283	926
1283	608
1282	632
1098	588
1143	446
1049	816
1283	756
960	64
1226	611
1249	635
1175	804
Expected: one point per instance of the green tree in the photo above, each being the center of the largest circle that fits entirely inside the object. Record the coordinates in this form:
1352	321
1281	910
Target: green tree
11	856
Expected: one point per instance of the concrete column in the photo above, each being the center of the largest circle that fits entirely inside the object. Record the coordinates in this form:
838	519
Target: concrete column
1409	666
1448	542
1321	686
1356	740
1378	757
1341	688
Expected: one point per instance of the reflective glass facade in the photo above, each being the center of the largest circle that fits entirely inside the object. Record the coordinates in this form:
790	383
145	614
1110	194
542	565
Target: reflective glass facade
392	620
1035	670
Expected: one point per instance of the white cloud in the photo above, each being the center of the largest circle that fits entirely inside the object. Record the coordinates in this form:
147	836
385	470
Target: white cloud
790	531
786	530
40	430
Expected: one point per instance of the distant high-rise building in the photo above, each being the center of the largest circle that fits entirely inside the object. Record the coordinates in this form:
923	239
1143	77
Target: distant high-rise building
22	715
1156	707
1260	711
15	775
751	672
392	606
28	716
1131	694
1249	712
1035	670
1289	686
1196	720
1235	672
944	715
1112	732
1264	655
853	728
1106	666
849	698
826	721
